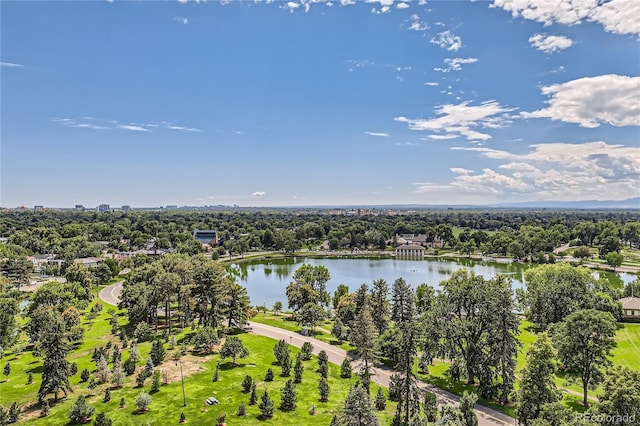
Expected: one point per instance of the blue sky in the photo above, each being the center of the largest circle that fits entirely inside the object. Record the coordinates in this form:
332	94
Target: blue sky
319	102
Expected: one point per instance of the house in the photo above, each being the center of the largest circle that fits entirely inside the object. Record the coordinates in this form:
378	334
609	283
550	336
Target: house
419	239
89	262
409	250
630	308
40	261
206	236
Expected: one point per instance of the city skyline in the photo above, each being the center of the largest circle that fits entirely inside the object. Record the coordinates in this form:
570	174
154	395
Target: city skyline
319	103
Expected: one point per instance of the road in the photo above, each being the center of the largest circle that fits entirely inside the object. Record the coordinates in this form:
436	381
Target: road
382	376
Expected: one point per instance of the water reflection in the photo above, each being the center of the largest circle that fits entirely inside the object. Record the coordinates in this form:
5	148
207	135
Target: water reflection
267	280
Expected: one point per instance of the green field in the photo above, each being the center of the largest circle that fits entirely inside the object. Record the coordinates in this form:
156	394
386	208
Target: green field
168	402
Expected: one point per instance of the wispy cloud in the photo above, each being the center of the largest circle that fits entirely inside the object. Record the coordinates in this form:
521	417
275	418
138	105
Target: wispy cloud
415	24
380	134
101	124
11	65
462	120
258	194
181	20
455	64
448	40
431	83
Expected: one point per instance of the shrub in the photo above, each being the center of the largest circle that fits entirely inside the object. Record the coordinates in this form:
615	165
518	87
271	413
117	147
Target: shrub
30	378
381	400
205	339
269	376
80	411
253	399
122	405
345	369
102	420
183	418
158	352
216	373
323	389
246	383
266	406
306	350
242	410
143	400
155	381
84	375
221	419
129	366
73	369
288	396
142	332
298	369
107	395
14	413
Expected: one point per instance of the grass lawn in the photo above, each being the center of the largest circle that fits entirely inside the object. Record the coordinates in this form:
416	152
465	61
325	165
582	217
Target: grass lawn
167	403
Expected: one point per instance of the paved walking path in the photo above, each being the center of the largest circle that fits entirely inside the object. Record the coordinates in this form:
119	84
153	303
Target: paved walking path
382	376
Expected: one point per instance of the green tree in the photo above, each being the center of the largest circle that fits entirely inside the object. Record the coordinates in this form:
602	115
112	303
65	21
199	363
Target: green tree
323	389
233	348
340	291
363	336
584	342
14	413
345	369
311	314
158	352
269	376
323	364
358	410
614	259
308	285
253	399
80	411
582	252
143	400
55	369
380	305
286	364
298	369
337	330
236	306
246	383
381	400
306	350
280	350
6	370
288	396
537	385
620	393
102	420
277	307
266	406
467	402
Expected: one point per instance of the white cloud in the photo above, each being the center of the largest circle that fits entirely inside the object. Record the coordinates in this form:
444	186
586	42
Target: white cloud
553	171
616	16
384	135
550	43
415	24
461	119
448	40
431	83
402	5
180	19
589	101
292	6
455	64
258	194
11	65
132	127
442	137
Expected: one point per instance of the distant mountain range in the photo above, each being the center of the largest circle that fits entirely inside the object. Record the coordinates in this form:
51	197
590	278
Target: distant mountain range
629	203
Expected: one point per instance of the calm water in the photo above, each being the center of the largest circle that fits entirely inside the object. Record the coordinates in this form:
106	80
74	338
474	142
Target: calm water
266	280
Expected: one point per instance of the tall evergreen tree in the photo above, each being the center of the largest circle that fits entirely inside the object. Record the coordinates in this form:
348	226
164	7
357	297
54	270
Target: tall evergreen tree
345	368
288	396
266	406
380	305
323	364
236	305
358	410
55	369
298	369
363	336
467	402
323	389
158	352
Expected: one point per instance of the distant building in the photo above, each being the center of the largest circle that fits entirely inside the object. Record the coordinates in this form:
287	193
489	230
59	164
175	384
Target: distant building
171	207
409	250
206	236
103	208
38	208
125	208
90	262
40	261
79	208
631	308
419	239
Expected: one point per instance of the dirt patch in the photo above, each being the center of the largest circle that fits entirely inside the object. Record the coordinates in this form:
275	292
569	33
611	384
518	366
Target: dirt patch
191	364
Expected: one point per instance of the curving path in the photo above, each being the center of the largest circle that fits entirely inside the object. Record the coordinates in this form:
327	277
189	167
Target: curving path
382	376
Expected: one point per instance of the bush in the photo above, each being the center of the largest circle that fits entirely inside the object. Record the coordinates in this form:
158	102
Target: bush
269	376
158	352
107	395
246	383
14	413
183	418
80	411
306	350
253	399
266	406
84	375
142	332
288	396
205	339
129	367
216	373
73	369
242	410
221	419
323	389
30	378
143	401
155	381
102	420
381	400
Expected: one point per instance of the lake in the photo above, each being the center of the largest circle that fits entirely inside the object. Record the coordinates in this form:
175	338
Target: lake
266	280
